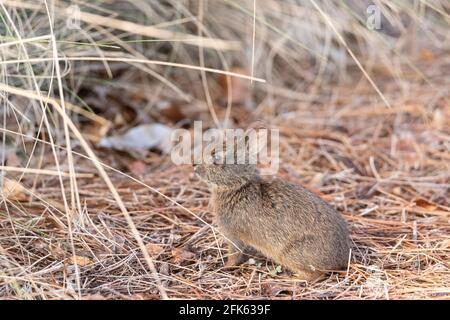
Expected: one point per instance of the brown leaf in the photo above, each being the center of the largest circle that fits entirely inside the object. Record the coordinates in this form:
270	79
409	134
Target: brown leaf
426	54
154	249
79	260
137	167
240	88
406	146
171	111
179	255
425	205
95	131
13	190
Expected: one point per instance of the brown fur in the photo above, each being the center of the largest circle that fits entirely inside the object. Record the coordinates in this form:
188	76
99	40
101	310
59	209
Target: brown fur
284	221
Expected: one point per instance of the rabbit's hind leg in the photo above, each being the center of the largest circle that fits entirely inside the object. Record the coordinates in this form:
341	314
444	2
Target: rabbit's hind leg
308	276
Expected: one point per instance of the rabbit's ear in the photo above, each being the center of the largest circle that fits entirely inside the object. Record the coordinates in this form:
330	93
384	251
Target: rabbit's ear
246	147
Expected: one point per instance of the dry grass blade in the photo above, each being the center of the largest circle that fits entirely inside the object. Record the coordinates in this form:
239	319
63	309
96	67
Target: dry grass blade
127	26
130	60
44	172
102	172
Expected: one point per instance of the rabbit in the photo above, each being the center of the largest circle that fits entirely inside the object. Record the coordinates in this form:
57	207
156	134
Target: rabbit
285	222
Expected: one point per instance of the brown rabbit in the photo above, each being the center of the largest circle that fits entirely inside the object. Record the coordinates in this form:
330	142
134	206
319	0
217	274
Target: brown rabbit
284	221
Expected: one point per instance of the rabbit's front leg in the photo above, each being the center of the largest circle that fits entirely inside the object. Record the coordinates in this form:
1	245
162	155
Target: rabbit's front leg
236	253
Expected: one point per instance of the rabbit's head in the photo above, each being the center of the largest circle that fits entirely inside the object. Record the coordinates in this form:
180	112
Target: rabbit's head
218	172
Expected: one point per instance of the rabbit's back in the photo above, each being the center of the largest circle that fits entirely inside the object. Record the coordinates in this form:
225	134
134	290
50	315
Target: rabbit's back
286	222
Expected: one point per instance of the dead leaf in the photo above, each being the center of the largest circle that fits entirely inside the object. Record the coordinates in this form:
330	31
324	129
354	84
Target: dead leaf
137	167
170	111
13	190
79	260
141	138
124	114
240	88
154	249
179	255
96	131
425	205
426	54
